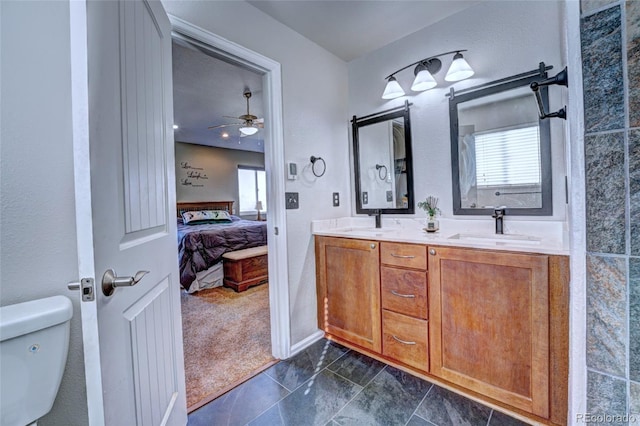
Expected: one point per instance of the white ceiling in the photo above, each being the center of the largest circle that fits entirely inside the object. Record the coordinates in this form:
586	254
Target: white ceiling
352	28
207	88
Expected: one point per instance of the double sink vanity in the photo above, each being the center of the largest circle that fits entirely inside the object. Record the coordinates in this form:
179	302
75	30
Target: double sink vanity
482	314
480	311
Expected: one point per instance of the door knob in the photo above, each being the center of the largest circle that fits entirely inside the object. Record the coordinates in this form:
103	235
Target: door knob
110	281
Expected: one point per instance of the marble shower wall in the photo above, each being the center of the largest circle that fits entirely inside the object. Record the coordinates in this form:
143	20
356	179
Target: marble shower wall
610	37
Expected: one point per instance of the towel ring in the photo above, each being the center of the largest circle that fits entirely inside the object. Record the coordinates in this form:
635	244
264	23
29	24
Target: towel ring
380	168
314	160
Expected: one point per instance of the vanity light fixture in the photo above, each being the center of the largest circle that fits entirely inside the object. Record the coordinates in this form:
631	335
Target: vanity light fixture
424	71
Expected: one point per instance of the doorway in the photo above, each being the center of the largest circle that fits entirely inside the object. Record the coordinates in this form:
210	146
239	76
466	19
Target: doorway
273	164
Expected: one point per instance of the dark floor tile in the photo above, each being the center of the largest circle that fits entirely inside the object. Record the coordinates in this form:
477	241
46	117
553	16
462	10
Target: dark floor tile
357	367
446	408
418	421
390	399
293	372
241	404
501	419
313	403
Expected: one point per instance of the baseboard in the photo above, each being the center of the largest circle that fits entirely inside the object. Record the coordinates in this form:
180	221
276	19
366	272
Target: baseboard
306	342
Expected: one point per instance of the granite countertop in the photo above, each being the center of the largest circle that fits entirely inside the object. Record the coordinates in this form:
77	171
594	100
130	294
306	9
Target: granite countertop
545	237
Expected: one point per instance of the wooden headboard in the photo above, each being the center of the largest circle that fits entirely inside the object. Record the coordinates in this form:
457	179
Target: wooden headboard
204	205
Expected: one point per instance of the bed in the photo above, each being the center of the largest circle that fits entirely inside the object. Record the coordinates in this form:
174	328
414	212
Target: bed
201	246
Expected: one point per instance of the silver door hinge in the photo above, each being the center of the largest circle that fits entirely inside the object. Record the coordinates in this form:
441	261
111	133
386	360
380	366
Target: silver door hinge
275	230
86	286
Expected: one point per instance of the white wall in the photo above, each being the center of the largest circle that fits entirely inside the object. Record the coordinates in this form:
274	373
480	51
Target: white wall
314	89
37	224
503	39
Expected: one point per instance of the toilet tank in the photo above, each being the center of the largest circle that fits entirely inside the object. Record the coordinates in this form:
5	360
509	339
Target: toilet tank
34	340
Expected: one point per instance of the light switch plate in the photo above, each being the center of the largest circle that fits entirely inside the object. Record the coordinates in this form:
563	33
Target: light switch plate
389	196
336	199
365	198
291	200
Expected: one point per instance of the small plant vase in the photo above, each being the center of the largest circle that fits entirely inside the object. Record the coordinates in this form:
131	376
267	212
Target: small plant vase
432	224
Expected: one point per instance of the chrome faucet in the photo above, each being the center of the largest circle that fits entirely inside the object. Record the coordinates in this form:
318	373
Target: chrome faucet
378	214
498	215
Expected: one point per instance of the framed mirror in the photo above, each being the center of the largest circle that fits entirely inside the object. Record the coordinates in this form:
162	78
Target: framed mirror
383	163
500	149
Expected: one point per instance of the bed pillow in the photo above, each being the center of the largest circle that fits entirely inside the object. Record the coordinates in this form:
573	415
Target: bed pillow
197	217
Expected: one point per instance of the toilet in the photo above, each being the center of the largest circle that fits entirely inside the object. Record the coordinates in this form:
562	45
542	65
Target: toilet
34	341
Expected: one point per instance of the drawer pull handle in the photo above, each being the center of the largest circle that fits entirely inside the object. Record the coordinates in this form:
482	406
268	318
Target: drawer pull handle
402	257
407	296
404	342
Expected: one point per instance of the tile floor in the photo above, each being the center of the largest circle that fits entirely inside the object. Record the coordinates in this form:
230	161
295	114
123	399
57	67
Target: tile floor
328	384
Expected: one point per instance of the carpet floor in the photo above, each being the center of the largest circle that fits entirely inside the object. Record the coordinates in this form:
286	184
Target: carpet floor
227	337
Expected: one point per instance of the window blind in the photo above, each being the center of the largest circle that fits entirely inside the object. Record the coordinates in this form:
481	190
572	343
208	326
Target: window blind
252	187
508	157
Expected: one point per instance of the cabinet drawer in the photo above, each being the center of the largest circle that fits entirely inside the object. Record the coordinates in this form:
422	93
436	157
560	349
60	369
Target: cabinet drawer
405	339
404	291
405	255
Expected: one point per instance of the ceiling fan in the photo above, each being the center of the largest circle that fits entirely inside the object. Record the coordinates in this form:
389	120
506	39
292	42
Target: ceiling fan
250	123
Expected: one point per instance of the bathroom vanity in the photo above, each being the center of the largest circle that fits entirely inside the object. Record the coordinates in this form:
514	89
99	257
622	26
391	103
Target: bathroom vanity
483	315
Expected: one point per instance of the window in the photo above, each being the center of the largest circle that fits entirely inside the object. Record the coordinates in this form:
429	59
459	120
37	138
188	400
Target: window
508	157
252	186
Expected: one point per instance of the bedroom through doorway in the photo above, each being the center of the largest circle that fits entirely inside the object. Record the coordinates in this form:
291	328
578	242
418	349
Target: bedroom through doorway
222	212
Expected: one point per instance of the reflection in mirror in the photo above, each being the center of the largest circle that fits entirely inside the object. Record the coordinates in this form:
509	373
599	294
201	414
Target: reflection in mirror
500	151
382	157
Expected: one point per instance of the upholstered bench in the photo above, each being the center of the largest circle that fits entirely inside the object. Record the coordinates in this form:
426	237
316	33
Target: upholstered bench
245	268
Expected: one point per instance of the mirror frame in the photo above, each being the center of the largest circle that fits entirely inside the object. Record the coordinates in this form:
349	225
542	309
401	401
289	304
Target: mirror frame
378	118
545	148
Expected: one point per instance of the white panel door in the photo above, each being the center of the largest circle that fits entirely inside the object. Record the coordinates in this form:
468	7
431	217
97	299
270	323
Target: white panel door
135	370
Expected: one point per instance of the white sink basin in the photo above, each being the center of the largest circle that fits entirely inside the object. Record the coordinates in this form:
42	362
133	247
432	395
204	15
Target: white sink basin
504	239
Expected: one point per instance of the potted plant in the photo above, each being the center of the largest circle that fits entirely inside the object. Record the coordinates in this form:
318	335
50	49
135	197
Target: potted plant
430	206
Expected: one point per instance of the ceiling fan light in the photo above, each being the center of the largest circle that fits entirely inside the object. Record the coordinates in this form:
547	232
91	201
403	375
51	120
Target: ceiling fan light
459	69
393	89
424	80
248	130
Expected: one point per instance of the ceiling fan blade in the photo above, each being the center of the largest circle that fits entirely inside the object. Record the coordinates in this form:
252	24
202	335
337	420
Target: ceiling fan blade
259	120
228	116
223	125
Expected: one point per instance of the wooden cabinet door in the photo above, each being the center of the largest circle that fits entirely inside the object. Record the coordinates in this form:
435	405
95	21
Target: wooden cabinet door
489	319
349	290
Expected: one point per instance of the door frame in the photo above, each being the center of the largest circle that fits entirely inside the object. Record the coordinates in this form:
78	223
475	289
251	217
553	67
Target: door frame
274	166
82	186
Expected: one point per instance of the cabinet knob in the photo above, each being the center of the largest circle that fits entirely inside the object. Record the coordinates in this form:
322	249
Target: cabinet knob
432	252
373	246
